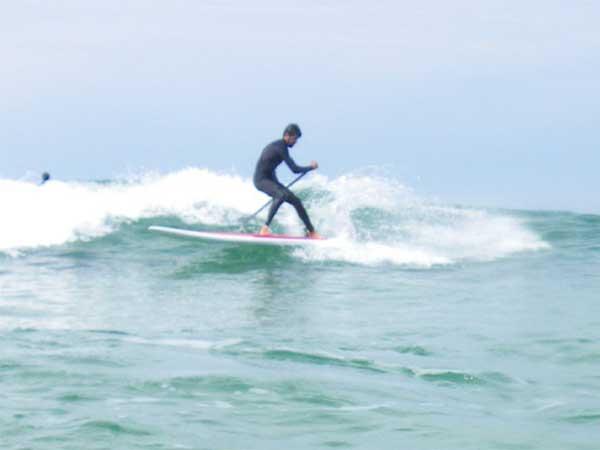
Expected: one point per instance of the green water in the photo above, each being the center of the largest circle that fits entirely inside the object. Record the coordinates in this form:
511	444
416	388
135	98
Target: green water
133	340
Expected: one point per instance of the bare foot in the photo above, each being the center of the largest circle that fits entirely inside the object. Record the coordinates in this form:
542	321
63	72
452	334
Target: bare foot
314	235
264	231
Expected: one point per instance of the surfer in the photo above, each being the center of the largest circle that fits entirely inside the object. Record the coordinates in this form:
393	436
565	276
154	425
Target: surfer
266	181
45	178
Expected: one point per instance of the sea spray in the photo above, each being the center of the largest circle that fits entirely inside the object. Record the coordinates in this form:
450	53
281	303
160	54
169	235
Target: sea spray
370	219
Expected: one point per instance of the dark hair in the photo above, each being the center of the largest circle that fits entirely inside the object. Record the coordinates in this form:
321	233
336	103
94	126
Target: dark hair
293	130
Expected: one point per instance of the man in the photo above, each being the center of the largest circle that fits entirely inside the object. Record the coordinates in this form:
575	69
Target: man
45	178
266	181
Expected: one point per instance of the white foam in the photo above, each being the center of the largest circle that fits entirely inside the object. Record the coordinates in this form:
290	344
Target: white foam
61	212
195	344
370	220
411	231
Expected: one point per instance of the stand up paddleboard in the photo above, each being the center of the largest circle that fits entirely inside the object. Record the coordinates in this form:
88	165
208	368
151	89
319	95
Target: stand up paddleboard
243	238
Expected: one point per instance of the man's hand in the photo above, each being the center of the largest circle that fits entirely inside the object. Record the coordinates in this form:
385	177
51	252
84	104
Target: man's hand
314	164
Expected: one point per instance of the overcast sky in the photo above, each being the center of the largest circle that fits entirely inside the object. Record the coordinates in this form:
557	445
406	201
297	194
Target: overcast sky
490	102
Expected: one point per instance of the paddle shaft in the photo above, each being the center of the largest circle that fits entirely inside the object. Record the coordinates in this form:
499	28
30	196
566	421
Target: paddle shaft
247	219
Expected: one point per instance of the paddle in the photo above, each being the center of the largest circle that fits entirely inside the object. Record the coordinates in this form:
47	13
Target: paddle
247	219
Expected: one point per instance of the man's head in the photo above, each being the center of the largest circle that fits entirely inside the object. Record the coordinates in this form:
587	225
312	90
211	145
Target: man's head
291	134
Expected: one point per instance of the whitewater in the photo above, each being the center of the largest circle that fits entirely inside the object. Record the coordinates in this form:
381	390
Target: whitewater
424	325
372	219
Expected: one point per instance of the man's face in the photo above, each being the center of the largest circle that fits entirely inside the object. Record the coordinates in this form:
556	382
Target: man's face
290	139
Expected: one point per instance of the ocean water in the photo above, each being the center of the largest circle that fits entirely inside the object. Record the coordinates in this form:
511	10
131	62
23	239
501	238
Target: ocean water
423	326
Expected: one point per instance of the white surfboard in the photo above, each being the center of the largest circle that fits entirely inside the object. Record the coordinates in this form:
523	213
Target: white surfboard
245	238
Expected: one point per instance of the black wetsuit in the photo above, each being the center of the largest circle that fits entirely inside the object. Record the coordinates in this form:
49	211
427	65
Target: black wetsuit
266	181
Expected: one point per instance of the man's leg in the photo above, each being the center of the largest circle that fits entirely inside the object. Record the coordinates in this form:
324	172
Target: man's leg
291	198
275	191
282	194
277	202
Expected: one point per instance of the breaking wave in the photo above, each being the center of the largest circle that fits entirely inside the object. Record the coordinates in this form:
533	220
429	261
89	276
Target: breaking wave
369	219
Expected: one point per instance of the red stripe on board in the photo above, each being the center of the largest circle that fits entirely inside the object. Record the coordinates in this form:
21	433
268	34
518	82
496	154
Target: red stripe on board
260	236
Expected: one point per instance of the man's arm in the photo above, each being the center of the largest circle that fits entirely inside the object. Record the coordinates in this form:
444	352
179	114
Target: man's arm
292	164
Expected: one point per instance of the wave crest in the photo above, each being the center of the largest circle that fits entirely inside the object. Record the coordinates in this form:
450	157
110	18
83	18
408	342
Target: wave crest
371	220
